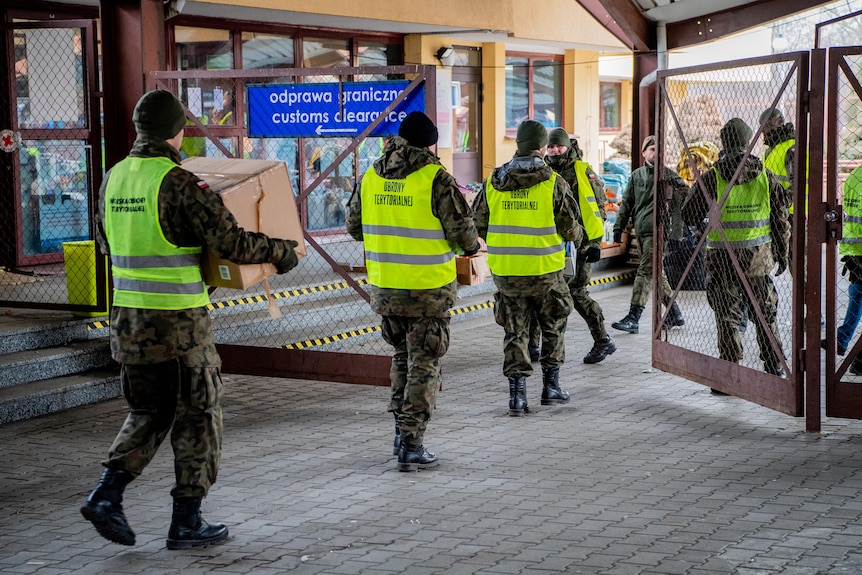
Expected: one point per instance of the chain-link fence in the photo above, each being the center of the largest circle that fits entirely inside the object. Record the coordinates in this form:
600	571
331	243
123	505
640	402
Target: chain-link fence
51	150
845	189
729	129
327	126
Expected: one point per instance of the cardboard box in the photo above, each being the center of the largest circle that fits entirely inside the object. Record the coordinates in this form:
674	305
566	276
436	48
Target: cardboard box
259	195
472	270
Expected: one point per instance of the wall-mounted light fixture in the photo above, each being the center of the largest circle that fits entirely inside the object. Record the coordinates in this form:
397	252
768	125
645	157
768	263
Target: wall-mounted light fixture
444	53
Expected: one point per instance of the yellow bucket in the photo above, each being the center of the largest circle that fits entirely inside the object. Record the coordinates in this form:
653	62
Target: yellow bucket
80	258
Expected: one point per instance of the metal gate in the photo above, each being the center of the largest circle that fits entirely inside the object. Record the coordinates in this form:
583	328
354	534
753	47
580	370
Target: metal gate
52	166
757	317
323	301
843	283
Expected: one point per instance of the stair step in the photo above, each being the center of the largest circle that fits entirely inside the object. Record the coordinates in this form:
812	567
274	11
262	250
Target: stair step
38	364
58	394
28	330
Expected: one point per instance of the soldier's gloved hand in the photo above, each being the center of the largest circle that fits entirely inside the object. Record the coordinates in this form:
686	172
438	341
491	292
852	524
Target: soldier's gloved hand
618	236
593	254
472	252
290	260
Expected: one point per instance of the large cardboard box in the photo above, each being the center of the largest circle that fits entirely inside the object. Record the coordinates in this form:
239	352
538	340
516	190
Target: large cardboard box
259	195
472	270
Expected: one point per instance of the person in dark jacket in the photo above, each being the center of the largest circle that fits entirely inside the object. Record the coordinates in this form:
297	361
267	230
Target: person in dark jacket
525	211
637	206
410	213
755	228
154	221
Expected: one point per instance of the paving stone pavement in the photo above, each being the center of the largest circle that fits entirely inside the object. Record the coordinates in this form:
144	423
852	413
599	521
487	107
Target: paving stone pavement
642	473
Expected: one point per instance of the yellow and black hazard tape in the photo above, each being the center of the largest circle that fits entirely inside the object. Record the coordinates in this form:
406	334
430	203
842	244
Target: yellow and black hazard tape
330	339
260	298
101	324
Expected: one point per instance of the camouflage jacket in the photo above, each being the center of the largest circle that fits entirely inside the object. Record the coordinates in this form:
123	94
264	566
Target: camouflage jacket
564	164
524	172
399	160
700	201
638	198
190	215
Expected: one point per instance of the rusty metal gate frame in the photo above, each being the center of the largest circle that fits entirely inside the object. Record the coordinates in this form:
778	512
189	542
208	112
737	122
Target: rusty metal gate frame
785	396
91	133
296	363
843	399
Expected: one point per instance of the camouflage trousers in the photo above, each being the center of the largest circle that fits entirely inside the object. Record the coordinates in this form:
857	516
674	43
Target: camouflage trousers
184	400
727	297
550	311
585	305
419	344
643	278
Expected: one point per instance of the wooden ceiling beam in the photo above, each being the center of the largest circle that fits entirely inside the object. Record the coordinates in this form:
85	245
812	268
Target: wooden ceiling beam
719	24
625	21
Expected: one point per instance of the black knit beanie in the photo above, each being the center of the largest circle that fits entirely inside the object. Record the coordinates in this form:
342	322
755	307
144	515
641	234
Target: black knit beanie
160	114
735	135
418	130
559	137
531	136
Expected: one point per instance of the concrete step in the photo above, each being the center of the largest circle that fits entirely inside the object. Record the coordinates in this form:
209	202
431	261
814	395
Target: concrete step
30	365
37	398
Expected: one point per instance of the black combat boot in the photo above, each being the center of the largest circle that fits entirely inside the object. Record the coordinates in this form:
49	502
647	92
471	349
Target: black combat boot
415	457
396	443
104	510
518	396
535	352
189	529
551	392
630	322
601	349
674	317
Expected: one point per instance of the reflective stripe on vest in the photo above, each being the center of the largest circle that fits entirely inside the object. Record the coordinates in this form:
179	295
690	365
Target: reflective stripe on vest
405	246
149	272
851	242
590	214
522	234
745	214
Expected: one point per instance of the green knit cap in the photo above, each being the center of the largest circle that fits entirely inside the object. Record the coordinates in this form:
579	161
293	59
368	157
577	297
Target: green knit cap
735	135
559	137
160	114
531	136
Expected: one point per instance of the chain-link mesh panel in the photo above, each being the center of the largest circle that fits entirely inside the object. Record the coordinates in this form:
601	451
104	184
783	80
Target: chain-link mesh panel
848	189
319	122
50	153
734	306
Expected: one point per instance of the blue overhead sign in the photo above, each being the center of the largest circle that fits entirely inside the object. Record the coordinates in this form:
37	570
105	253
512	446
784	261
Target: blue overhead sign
328	110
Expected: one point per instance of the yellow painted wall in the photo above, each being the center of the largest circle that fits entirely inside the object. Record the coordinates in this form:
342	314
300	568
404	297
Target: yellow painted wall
496	147
561	21
581	85
478	14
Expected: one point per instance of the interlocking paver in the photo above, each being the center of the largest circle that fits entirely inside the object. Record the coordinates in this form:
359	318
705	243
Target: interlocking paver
642	472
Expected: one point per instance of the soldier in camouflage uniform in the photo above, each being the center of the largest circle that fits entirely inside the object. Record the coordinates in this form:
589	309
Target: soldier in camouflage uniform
525	212
414	214
637	206
564	156
755	221
154	220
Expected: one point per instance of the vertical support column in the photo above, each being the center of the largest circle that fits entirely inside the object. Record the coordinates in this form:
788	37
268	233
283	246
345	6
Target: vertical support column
495	148
808	270
643	104
133	45
581	96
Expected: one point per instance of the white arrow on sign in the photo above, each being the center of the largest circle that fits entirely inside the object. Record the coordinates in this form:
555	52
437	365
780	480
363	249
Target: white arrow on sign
321	130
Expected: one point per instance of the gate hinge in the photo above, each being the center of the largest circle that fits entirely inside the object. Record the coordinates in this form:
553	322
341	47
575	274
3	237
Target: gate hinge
800	362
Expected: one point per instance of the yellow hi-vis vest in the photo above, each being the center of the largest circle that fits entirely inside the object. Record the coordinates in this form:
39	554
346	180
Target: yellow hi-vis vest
745	214
522	235
775	161
149	271
851	243
590	214
405	245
